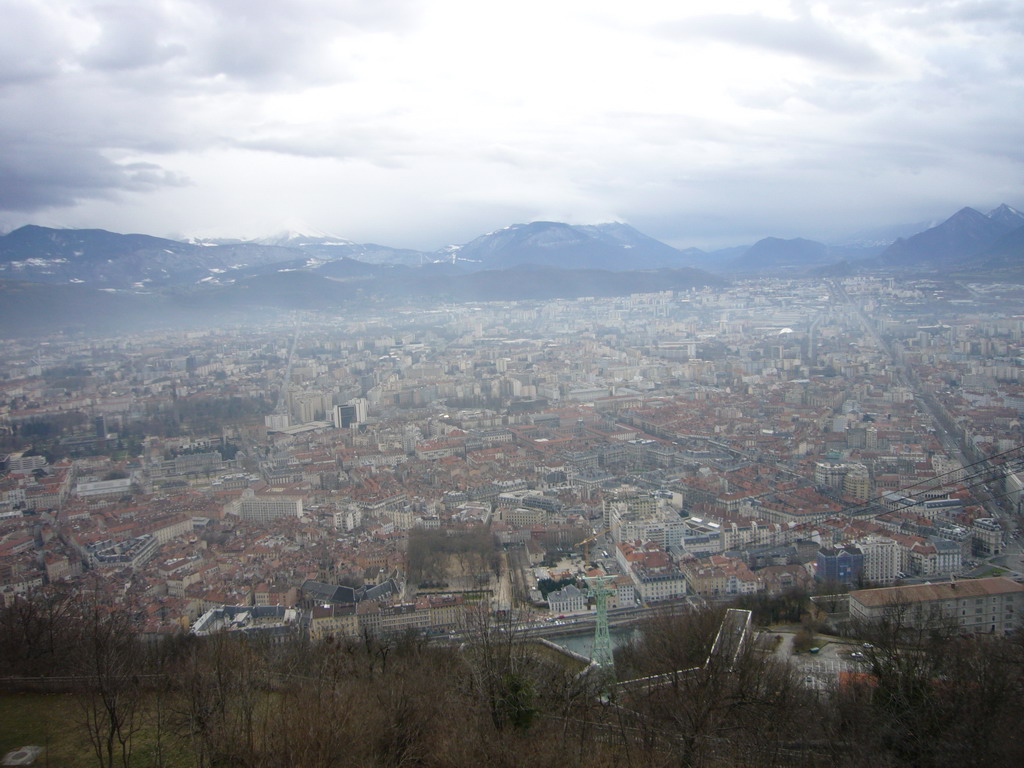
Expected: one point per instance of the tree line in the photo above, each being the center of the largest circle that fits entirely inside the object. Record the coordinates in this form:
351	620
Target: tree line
925	698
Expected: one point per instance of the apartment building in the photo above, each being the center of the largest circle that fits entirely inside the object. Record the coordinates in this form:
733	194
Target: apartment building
263	509
992	605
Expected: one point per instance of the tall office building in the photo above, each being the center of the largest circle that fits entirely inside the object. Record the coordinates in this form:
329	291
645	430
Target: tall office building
353	413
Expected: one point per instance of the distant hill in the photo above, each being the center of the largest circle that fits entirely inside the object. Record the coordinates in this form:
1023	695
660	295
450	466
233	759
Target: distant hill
547	283
773	254
881	237
1005	253
313	289
28	308
1009	217
586	254
958	239
615	247
107	259
329	247
34	308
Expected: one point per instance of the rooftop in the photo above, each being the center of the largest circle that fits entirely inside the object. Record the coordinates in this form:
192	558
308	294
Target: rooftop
920	593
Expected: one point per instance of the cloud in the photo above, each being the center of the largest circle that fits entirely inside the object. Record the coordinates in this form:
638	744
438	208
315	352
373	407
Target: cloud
375	140
130	37
143	177
65	141
90	91
31	43
803	37
34	176
406	119
258	44
929	16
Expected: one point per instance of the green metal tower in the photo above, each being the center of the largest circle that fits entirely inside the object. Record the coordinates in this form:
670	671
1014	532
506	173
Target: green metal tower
602	654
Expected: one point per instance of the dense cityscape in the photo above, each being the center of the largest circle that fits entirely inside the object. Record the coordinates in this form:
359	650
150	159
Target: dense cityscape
728	443
538	385
326	478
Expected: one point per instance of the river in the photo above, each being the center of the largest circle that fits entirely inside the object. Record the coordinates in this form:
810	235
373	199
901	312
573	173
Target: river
583	643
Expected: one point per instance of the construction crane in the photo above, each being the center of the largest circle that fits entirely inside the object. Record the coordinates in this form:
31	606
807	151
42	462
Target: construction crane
588	541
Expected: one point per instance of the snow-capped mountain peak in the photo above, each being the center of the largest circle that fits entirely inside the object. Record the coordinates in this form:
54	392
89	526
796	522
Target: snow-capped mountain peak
294	233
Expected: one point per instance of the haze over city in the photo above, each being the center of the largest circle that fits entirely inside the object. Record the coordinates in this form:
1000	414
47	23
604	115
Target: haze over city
511	384
422	124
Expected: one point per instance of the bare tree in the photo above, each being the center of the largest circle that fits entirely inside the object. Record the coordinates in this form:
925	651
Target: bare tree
110	688
222	678
936	696
36	632
317	709
711	709
498	662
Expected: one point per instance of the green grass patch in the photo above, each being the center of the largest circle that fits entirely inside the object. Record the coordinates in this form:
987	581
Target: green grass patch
48	720
994	570
55	722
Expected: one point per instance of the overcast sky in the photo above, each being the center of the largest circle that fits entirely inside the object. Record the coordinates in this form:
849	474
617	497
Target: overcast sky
419	123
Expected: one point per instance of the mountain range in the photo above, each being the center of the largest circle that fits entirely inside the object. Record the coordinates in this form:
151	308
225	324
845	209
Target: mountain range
565	246
962	237
107	259
537	260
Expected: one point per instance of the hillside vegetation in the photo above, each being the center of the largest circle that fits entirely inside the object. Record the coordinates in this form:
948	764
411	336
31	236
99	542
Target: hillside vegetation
928	700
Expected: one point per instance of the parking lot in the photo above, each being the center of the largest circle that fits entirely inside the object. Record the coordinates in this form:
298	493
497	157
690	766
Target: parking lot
822	669
826	669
